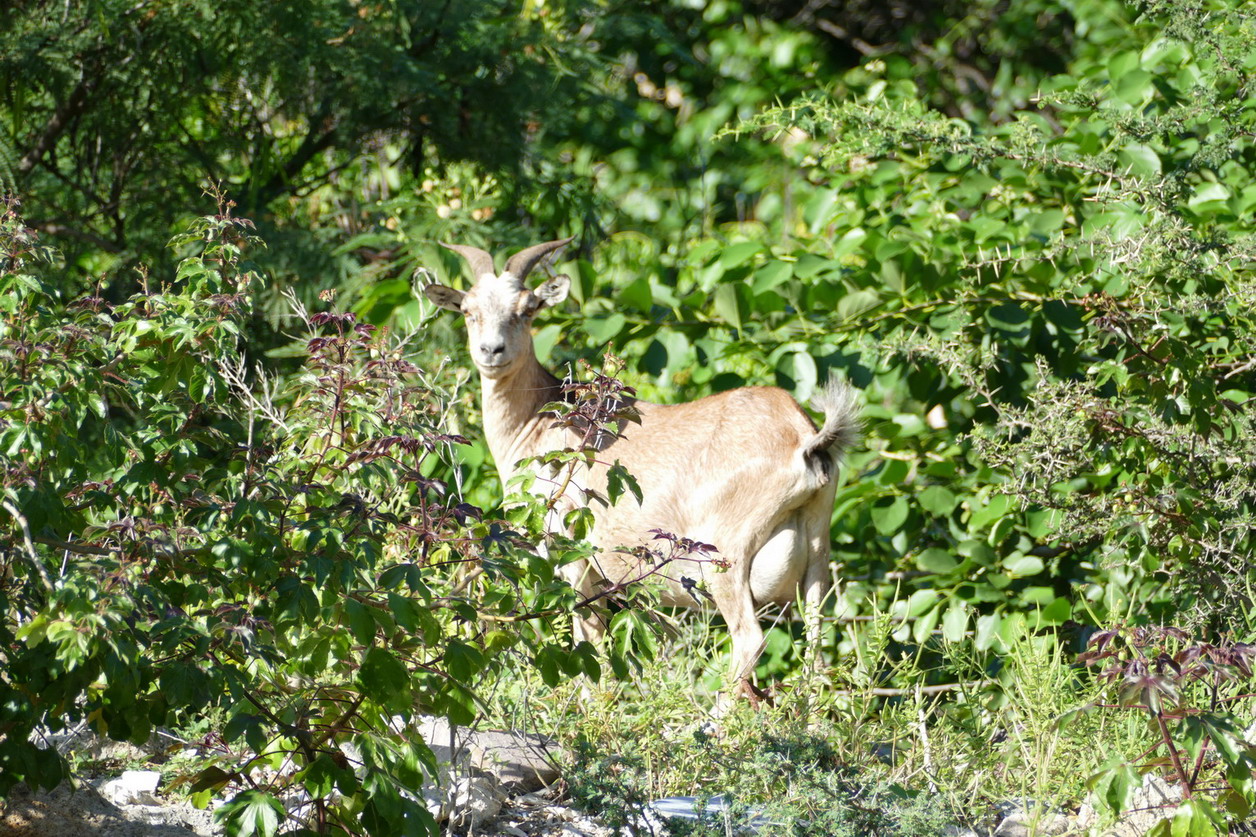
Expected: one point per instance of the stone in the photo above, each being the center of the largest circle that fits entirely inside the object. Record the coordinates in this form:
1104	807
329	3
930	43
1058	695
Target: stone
475	801
434	800
133	787
716	808
1026	818
448	744
1154	801
522	762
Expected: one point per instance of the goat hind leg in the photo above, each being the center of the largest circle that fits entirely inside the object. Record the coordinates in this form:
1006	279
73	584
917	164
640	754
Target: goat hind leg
818	581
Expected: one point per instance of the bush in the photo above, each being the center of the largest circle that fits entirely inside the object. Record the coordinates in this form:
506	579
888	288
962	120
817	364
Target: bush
184	536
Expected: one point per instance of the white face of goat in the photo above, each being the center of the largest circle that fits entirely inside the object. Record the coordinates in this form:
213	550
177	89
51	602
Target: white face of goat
499	308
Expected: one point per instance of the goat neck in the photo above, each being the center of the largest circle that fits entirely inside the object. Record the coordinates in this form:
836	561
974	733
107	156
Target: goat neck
513	422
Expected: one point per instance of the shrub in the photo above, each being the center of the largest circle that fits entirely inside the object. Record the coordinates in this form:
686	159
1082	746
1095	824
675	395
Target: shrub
183	535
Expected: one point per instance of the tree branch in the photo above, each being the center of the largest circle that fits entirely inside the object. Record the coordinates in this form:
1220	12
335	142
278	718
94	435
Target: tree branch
66	111
313	143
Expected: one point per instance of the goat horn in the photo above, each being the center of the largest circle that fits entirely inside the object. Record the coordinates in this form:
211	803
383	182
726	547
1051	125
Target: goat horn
521	263
481	262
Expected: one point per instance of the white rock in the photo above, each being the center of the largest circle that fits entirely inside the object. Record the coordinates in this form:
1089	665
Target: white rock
1150	804
512	831
435	800
475	801
133	787
1031	819
521	761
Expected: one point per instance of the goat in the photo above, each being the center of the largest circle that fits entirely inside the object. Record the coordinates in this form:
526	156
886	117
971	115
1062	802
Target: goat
744	470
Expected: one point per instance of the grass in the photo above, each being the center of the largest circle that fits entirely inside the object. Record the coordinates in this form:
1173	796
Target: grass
832	756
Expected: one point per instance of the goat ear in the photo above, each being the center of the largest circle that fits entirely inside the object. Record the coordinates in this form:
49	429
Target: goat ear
443	297
551	292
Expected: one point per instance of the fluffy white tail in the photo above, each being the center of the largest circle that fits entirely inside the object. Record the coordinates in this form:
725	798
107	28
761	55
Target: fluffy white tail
841	429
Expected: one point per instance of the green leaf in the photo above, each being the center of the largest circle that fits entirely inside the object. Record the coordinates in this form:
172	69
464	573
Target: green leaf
462	661
1195	817
889	514
1134	86
361	621
849	243
923	627
987	631
546	662
1057	613
935	560
323	775
1209	197
955	622
937	500
617	480
997	506
1008	317
800	369
404	610
1023	565
211	778
1046	222
604	329
738	254
732	304
383	676
638	295
1140	160
579	522
246	726
251	812
1113	787
921	601
855	303
590	665
772	274
545	339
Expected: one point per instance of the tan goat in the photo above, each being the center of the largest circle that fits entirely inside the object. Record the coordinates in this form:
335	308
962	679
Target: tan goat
745	470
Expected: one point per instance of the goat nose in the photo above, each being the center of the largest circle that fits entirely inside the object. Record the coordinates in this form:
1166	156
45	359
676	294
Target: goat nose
492	349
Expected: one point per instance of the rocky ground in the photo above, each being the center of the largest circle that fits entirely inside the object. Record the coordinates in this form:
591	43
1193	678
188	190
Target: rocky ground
493	783
85	812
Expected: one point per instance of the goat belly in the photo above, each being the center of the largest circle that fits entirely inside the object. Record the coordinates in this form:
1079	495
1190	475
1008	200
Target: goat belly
778	568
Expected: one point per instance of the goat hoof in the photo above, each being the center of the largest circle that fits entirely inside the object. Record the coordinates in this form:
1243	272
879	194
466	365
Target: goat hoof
757	697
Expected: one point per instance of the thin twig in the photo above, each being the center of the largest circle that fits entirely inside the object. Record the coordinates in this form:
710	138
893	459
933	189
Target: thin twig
940	688
31	554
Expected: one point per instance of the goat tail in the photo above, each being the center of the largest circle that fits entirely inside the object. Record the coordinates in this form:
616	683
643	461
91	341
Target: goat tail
841	429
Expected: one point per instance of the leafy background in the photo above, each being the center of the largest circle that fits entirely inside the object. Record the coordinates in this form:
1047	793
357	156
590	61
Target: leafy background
243	486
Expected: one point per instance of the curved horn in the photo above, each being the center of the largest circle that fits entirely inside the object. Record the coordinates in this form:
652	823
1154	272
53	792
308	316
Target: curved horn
521	263
481	262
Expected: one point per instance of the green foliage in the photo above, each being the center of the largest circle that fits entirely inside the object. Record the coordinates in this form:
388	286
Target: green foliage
114	115
181	539
1195	695
1022	230
797	782
1064	298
